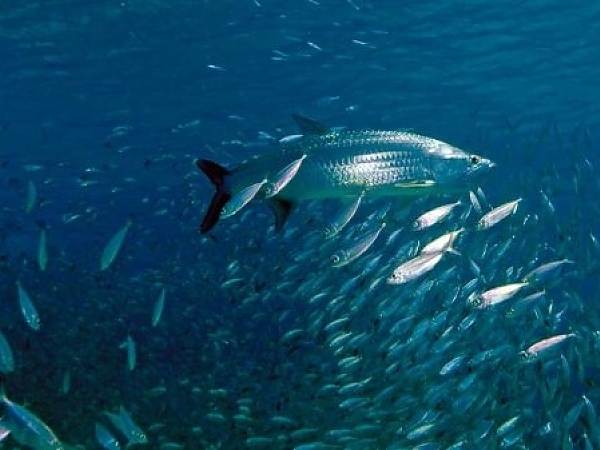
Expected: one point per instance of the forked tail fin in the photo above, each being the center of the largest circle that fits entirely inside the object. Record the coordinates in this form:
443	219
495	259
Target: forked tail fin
216	174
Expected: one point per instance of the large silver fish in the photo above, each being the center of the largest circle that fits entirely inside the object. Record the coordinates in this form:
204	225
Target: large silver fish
329	164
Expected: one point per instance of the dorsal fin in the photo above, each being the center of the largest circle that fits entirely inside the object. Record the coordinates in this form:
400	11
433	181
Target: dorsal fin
310	126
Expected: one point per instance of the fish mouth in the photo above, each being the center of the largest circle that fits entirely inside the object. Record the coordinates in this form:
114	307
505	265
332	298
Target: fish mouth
484	165
490	164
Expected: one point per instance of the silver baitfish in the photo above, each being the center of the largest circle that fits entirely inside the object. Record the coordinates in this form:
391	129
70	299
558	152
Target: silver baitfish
415	268
434	216
113	246
494	296
544	348
128	428
498	214
106	439
363	244
328	164
26	428
28	308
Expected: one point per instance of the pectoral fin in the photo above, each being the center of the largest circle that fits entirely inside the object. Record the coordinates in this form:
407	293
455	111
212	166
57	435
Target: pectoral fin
415	184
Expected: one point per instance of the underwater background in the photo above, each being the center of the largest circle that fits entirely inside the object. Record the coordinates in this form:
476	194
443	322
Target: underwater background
105	105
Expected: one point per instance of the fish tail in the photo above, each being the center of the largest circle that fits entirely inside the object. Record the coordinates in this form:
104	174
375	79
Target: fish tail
216	174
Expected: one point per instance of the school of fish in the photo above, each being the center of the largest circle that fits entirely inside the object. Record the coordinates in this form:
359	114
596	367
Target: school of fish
397	309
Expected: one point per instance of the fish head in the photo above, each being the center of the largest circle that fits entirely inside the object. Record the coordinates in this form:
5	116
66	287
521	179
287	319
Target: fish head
139	437
475	301
451	165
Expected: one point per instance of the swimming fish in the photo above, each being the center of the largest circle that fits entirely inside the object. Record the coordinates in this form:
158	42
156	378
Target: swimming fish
494	296
546	271
341	218
348	255
26	428
125	424
158	308
113	246
416	267
43	251
31	199
434	216
498	214
129	346
342	164
106	439
7	361
544	347
28	308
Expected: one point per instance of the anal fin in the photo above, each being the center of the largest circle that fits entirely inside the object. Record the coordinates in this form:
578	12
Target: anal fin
281	210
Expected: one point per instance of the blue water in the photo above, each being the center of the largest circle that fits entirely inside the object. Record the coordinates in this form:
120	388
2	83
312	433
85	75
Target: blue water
106	104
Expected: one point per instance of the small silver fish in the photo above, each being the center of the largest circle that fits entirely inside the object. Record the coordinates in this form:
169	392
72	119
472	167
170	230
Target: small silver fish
348	255
475	202
524	304
158	308
65	386
31	199
7	360
125	424
443	242
494	296
113	246
282	178
341	219
28	308
498	214
546	271
241	199
106	439
341	164
548	203
129	346
290	138
43	251
544	347
415	268
26	428
434	216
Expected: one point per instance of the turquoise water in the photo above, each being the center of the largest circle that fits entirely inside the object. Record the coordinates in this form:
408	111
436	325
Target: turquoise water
105	106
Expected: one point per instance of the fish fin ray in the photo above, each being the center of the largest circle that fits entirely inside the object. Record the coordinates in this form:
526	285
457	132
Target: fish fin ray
310	126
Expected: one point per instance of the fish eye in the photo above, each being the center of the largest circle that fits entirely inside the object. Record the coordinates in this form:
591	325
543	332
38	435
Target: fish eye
475	300
335	259
475	159
524	355
269	189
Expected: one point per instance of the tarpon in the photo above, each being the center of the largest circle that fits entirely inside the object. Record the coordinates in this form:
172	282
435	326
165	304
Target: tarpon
342	164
